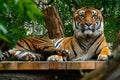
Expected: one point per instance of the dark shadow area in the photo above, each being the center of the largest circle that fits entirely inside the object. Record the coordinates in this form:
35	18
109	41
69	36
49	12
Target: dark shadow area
40	75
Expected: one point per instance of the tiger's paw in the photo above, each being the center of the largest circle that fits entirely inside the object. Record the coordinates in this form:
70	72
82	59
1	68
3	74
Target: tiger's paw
27	57
102	57
63	53
55	58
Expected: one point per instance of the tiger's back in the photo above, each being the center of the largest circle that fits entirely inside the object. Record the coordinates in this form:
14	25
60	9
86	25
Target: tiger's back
34	44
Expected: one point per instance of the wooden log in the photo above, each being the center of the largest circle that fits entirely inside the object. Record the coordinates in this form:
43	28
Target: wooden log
53	22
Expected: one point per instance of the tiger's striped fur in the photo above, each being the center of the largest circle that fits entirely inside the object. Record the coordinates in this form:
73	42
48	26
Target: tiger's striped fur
87	42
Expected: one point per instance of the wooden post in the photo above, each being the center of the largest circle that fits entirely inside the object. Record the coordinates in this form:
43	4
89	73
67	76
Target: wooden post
53	22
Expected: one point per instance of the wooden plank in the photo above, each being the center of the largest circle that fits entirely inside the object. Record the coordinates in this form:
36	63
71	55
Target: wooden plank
57	65
11	66
81	65
1	66
25	66
44	65
99	64
73	65
33	66
8	65
88	65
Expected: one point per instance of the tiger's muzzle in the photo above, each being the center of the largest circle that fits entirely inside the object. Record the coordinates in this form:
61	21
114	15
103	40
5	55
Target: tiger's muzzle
91	28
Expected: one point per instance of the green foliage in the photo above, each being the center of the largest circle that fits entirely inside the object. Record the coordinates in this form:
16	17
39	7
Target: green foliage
27	8
13	14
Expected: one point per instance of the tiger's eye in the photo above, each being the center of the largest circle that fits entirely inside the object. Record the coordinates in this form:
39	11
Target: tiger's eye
94	16
81	16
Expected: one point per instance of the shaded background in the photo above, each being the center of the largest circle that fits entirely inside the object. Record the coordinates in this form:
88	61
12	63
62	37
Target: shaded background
23	18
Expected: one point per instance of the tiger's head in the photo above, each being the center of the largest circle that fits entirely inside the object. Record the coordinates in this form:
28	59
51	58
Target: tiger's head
88	22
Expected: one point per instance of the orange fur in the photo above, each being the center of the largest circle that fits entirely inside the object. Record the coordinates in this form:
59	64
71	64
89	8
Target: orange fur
104	53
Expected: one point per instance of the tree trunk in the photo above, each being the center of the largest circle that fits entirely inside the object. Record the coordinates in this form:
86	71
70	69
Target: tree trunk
53	22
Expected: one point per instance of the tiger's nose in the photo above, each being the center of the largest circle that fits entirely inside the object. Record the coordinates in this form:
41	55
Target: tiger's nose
88	23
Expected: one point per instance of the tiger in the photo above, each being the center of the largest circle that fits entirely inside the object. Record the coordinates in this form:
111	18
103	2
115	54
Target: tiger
88	41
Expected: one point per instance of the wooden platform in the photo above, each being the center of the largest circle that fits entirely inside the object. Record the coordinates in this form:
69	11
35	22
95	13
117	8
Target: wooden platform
44	65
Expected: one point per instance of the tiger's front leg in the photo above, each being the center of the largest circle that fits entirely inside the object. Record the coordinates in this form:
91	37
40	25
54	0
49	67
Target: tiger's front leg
104	53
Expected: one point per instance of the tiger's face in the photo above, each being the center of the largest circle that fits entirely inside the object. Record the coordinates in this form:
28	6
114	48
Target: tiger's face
88	22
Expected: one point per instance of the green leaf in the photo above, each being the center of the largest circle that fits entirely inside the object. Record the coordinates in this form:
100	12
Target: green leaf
0	53
16	1
3	29
4	38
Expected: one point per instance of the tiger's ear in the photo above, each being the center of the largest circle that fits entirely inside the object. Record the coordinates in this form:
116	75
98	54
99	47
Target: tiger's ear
101	9
73	9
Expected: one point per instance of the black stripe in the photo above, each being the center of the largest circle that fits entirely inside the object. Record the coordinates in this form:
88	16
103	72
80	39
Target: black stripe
95	40
76	25
58	42
9	54
6	57
36	48
80	45
73	49
99	26
99	45
27	44
19	45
